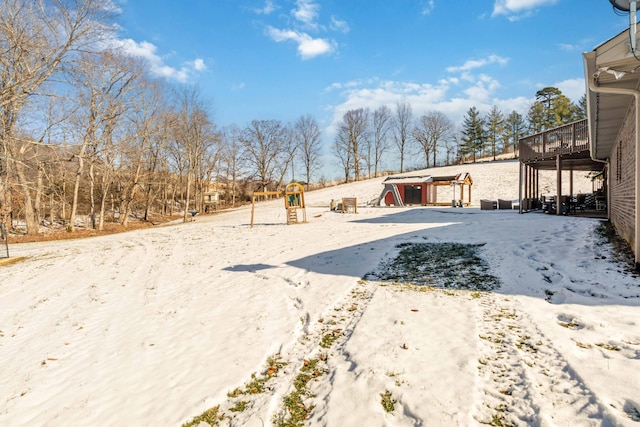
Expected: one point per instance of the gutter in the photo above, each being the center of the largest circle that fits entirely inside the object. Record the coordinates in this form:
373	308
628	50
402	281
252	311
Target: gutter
636	94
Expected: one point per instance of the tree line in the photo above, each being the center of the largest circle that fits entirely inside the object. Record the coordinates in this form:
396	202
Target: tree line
364	138
86	133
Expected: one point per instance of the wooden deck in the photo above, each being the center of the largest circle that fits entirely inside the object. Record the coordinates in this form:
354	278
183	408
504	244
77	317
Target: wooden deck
565	148
570	143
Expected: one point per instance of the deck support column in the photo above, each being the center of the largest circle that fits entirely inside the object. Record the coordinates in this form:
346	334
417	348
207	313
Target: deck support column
570	182
558	184
520	183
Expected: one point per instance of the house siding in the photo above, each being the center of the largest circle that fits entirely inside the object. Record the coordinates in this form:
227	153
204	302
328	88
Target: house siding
622	162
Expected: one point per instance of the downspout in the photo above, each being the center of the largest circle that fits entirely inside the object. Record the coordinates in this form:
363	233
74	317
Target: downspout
636	94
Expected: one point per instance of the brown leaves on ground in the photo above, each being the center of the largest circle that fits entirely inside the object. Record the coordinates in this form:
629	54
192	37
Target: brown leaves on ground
109	228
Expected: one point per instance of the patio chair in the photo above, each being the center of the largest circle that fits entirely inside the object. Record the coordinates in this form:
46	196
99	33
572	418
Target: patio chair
505	204
488	205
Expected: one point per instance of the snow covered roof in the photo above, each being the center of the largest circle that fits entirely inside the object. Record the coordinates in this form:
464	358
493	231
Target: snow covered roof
408	179
419	179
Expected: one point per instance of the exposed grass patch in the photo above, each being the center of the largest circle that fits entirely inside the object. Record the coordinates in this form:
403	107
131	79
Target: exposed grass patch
329	338
609	347
256	385
295	409
388	402
582	345
240	406
570	325
211	416
441	265
498	419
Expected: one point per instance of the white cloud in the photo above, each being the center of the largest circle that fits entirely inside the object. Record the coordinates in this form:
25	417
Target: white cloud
350	84
148	51
338	25
308	47
306	12
427	7
568	47
574	89
268	8
477	63
199	65
452	96
512	8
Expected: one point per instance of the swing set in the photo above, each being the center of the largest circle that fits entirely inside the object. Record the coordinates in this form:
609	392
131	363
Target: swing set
293	202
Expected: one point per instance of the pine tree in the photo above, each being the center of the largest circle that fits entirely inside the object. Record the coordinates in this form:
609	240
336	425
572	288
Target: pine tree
495	128
514	129
473	134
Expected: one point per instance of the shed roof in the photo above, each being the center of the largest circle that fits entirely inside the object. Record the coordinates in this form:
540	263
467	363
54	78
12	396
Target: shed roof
419	179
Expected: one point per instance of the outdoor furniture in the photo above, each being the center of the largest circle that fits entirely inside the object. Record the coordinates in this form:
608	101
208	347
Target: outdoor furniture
578	203
488	205
349	204
504	204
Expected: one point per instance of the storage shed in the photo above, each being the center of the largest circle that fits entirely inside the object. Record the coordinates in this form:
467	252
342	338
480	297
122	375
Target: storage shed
423	190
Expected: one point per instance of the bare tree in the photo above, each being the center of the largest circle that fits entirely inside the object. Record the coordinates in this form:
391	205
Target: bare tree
452	146
142	150
382	123
37	39
103	82
267	148
432	129
355	127
402	129
307	136
342	150
194	135
232	160
152	118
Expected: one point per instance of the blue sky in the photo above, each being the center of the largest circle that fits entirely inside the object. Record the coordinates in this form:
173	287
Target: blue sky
280	59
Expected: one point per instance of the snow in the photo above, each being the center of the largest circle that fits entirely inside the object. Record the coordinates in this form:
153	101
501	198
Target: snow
155	326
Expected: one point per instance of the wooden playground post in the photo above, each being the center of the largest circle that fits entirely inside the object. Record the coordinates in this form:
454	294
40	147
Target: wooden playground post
261	193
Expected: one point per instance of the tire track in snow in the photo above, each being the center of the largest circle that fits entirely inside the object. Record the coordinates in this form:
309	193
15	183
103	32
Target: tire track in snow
524	379
322	341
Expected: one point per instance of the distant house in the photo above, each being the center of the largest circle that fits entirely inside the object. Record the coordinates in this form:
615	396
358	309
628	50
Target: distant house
613	110
426	190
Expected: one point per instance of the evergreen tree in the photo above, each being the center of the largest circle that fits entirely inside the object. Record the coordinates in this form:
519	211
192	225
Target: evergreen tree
495	128
473	134
551	109
580	111
514	129
535	118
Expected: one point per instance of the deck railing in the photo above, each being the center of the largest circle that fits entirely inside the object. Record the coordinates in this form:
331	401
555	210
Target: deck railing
567	139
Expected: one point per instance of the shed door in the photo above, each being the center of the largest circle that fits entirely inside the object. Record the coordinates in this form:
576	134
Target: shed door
413	194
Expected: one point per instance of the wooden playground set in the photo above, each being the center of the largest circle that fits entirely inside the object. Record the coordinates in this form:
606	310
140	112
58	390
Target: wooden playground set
293	202
293	195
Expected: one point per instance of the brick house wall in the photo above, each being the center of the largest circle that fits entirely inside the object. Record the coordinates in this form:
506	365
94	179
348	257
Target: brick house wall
621	189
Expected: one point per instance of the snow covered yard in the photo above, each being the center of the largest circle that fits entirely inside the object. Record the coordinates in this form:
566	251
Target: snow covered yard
158	326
